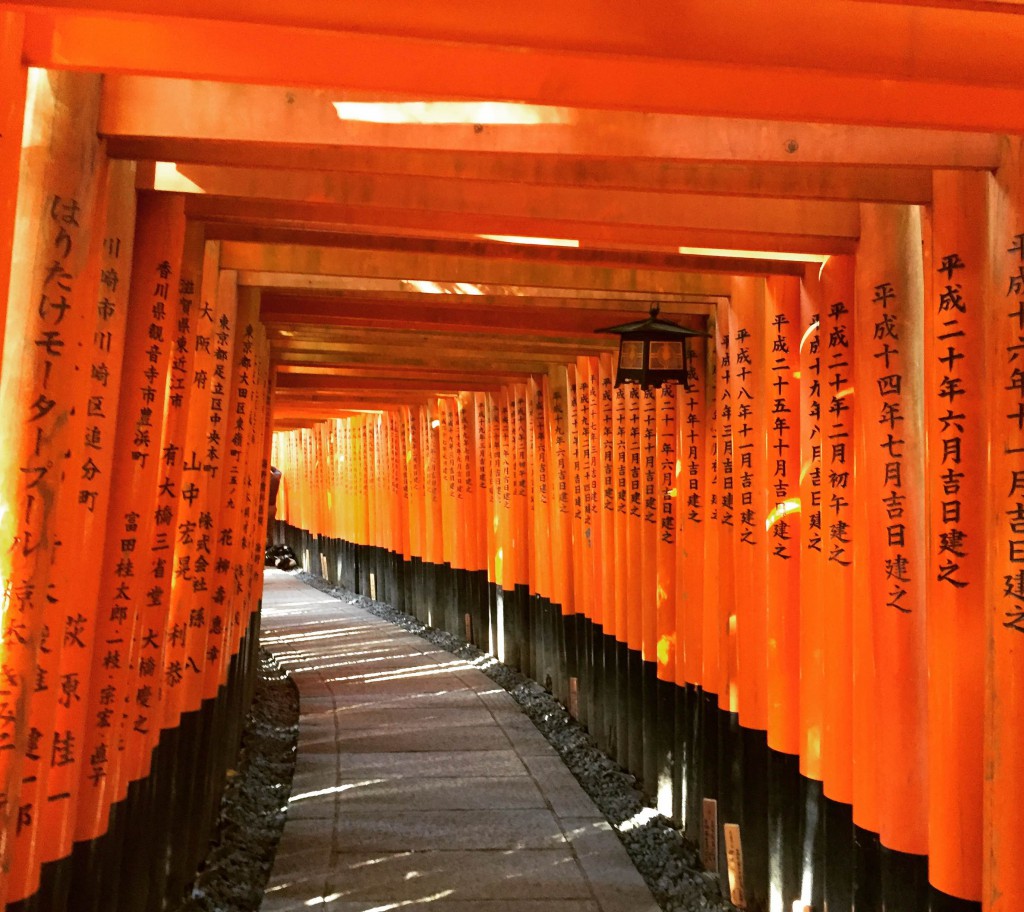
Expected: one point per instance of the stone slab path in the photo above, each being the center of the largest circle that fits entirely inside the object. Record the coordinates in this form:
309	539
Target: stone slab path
420	785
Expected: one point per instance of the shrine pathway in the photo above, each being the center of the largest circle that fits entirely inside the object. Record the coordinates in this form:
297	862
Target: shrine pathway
419	783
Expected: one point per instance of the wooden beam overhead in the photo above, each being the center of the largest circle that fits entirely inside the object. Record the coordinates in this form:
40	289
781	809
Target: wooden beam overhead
508	295
232	218
834	60
583	257
140	107
439	196
296	384
535	305
329	261
901	42
787	180
473	317
461	378
290	337
470	362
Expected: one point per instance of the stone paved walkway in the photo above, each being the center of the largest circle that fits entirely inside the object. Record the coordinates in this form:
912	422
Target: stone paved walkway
420	785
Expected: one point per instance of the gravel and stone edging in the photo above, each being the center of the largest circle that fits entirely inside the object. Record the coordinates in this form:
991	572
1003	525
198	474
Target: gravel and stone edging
254	805
668	863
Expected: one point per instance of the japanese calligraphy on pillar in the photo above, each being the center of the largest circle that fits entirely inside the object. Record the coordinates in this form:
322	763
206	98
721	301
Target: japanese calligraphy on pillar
635	452
540	442
810	492
690	514
649	432
36	622
667	493
126	691
744	435
952	382
724	436
621	460
783	448
889	382
1011	417
97	441
837	446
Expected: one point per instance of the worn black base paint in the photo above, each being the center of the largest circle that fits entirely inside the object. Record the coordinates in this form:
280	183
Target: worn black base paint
943	902
597	683
688	749
797	843
838	855
681	759
904	881
753	815
812	843
785	866
664	751
610	734
621	752
158	834
649	727
867	870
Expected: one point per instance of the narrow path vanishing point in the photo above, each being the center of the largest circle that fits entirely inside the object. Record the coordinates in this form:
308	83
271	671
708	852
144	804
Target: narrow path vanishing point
419	783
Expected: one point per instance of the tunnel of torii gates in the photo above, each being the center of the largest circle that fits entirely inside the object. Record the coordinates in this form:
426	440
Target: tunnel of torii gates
789	599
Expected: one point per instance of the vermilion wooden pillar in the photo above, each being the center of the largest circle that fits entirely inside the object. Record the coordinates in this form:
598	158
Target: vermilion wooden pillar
711	645
781	370
131	521
837	405
691	518
47	347
749	442
237	518
86	491
956	476
97	440
889	321
1003	845
542	529
812	560
720	600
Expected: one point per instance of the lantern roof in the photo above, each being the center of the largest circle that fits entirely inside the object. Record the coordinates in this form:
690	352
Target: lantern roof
652	326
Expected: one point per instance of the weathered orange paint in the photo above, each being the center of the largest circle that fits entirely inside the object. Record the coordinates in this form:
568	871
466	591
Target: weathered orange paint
691	517
666	527
889	285
838	355
1003	843
749	436
812	557
782	379
159	238
955	410
49	324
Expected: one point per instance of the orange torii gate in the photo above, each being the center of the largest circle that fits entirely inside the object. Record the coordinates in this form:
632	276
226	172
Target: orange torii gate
787	599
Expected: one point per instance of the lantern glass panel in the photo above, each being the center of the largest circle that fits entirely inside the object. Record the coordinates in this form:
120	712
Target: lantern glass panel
631	356
666	356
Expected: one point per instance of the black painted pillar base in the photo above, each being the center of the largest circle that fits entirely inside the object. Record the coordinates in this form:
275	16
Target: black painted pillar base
785	868
838	894
665	748
635	713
